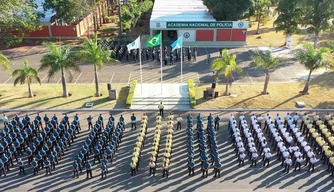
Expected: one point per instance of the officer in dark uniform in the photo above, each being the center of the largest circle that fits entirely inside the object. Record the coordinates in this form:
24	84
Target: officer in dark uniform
158	55
89	170
189	54
89	120
217	167
195	54
103	170
2	168
153	53
35	166
47	166
21	166
171	59
75	168
147	52
191	167
166	59
135	55
46	120
217	119
133	121
205	168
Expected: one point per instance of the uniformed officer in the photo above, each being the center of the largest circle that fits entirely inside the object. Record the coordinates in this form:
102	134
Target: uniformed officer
75	168
191	167
299	161
90	124
267	157
34	164
103	170
5	119
47	166
313	160
217	167
89	170
2	168
133	166
205	168
179	120
161	109
152	166
20	163
133	121
165	169
217	119
288	163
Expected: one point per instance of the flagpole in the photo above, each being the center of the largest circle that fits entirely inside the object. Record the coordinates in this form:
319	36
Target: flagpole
181	61
161	59
140	68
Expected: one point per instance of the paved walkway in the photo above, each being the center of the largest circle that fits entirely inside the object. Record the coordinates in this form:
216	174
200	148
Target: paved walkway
233	178
198	71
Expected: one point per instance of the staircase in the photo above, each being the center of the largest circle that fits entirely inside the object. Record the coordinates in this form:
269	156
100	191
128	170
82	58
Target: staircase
173	96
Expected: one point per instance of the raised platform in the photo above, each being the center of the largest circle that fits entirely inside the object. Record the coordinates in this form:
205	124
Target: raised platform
149	96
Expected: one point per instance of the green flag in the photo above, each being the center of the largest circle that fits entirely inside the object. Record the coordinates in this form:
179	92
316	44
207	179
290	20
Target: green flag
154	41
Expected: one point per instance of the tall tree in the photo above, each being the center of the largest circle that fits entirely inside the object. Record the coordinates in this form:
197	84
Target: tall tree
69	11
317	16
59	59
17	17
226	66
290	13
92	52
228	10
5	63
313	59
261	12
26	74
265	60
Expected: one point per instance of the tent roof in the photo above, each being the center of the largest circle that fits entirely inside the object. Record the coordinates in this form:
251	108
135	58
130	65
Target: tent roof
180	10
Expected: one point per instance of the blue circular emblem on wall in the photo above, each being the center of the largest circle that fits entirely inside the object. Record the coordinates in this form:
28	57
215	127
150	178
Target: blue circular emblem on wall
186	35
240	24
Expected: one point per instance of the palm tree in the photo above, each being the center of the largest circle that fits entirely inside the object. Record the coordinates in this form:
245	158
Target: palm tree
59	59
92	52
265	60
26	74
4	63
225	65
313	59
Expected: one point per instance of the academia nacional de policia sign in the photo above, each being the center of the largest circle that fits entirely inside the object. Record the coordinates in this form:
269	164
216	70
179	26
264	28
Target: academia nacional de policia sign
227	24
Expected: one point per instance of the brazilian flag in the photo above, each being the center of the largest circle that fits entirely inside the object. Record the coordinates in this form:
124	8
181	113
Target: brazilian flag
154	41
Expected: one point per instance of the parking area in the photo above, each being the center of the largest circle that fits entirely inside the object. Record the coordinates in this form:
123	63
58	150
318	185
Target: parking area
198	70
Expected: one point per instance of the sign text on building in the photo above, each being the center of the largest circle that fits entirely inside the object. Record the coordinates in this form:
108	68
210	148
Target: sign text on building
227	24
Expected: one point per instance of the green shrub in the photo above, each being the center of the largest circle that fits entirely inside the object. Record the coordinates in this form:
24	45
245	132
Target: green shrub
191	90
131	92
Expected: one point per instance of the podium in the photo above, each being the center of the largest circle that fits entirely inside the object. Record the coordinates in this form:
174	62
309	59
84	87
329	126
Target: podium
210	93
112	94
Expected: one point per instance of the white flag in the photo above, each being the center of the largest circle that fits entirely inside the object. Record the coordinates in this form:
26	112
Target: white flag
134	45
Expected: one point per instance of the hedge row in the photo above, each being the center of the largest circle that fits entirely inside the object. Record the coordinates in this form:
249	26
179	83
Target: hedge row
191	90
131	92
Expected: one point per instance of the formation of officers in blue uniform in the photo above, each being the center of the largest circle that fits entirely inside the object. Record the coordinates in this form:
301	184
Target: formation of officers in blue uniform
207	144
102	142
43	147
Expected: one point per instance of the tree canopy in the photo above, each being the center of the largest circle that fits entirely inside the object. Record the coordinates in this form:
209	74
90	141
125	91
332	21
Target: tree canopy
69	11
228	10
17	17
132	12
289	16
317	15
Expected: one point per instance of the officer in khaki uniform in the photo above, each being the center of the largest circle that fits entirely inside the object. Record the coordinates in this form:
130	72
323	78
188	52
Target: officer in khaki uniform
133	168
152	167
165	167
161	109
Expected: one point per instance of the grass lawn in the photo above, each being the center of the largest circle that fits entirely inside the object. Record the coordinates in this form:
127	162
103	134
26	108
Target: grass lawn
269	36
49	97
282	95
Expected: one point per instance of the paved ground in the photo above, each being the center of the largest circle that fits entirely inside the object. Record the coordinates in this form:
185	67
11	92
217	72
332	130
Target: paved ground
233	178
198	71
